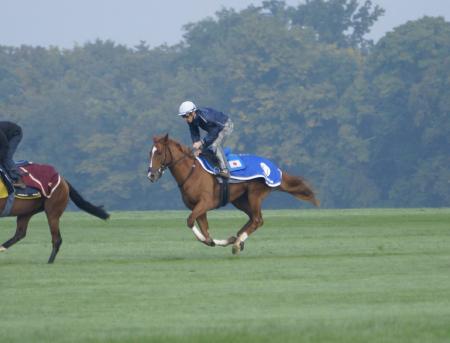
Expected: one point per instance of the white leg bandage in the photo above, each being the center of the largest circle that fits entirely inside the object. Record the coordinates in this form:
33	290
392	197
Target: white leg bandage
198	233
221	242
2	248
243	237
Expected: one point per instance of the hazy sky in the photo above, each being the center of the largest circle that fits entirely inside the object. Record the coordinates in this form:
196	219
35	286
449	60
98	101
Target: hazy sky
65	23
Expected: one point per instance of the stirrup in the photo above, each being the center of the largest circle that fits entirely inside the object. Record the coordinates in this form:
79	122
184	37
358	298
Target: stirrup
19	184
225	173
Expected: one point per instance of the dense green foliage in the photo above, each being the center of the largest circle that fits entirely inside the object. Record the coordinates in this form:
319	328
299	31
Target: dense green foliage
368	125
307	276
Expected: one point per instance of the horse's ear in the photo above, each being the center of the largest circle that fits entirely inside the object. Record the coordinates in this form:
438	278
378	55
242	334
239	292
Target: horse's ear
155	139
165	138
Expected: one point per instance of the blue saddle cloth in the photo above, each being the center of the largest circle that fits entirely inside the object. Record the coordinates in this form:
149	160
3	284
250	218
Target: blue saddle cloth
247	167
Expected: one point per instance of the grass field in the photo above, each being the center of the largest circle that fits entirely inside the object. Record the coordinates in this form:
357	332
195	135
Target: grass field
306	276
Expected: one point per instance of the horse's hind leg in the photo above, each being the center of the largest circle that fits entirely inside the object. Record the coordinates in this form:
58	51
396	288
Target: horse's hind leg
21	231
242	204
54	208
252	206
53	222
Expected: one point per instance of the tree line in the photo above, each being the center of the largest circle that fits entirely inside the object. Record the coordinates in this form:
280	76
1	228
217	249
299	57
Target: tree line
367	124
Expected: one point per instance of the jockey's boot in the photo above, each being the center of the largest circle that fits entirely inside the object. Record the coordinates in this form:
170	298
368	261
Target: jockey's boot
224	172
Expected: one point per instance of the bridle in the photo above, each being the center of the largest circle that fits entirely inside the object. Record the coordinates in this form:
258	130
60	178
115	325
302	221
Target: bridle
164	165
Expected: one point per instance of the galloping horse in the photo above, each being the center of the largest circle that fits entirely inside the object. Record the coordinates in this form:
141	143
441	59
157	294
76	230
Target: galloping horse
200	191
54	207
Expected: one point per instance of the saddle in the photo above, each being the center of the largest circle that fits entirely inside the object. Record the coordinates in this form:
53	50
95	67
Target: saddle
211	159
7	189
40	180
8	193
224	191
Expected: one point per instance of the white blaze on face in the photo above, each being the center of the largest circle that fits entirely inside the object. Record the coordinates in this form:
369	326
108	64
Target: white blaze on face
151	159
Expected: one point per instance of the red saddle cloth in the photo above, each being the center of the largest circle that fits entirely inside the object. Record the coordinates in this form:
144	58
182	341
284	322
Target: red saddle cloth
43	177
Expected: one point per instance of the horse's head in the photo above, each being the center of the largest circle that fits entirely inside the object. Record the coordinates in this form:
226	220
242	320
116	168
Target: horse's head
159	157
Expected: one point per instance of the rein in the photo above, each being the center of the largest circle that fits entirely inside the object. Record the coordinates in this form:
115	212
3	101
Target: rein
188	176
172	163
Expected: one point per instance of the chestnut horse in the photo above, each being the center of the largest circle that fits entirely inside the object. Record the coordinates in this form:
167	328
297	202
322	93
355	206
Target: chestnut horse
54	207
200	191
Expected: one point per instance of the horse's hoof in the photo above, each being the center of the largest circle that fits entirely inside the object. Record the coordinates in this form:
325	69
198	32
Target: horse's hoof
241	245
236	249
210	242
2	248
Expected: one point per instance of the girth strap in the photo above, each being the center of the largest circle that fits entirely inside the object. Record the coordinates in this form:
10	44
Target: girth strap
224	191
8	205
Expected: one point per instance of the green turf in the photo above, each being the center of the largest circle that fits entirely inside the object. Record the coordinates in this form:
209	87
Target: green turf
306	276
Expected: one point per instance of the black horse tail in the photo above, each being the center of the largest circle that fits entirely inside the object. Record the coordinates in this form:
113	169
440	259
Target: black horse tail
78	200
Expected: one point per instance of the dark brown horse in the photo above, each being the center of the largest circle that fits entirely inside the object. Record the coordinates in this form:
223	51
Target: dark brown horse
200	191
54	207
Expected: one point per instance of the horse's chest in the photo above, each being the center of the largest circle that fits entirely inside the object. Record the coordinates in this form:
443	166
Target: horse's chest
200	193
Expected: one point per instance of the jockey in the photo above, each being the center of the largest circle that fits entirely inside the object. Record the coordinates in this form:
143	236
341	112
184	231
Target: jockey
10	137
217	125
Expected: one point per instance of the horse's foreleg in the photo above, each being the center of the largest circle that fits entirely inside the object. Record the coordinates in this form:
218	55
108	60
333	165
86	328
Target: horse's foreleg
203	234
203	223
224	242
21	231
198	215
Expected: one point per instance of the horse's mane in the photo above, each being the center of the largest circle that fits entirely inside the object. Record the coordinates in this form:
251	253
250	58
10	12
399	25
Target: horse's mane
183	148
172	142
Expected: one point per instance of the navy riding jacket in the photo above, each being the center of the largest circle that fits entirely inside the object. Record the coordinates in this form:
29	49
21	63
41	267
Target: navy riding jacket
211	121
8	130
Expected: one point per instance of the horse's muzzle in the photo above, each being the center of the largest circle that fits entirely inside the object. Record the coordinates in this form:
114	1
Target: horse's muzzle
150	175
153	177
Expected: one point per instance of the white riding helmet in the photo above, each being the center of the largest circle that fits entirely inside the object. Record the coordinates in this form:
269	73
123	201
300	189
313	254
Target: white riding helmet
186	107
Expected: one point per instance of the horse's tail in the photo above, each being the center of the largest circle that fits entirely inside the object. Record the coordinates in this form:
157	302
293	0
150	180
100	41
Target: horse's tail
78	200
299	188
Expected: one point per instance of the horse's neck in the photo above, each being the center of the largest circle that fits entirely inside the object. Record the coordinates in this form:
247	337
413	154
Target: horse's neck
183	163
